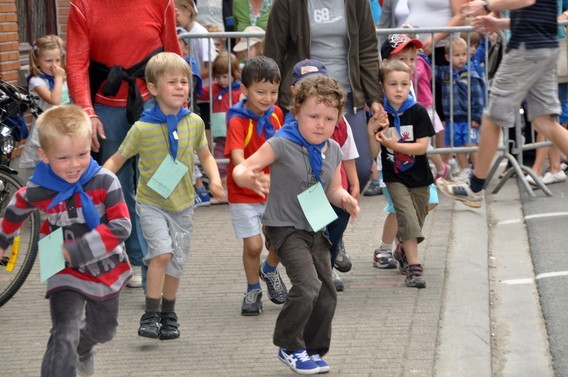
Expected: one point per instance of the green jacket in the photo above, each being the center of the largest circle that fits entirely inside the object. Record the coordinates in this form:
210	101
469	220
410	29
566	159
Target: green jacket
287	41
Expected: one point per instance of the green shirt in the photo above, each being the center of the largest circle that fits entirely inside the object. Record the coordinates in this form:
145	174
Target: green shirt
150	142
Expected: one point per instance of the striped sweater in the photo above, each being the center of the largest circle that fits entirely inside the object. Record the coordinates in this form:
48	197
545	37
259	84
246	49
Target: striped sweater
99	267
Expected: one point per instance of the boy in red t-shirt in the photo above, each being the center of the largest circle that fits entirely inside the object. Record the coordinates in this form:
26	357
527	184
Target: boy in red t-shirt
251	122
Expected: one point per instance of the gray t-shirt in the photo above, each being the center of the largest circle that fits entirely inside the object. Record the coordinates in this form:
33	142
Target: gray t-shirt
329	40
290	175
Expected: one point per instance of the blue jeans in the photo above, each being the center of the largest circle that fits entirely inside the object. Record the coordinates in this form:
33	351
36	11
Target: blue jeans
116	127
71	335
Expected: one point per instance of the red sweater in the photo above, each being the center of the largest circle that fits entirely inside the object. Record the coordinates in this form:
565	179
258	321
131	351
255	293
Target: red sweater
115	32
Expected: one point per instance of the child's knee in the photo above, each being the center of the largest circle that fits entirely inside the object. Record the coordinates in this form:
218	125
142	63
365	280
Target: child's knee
161	260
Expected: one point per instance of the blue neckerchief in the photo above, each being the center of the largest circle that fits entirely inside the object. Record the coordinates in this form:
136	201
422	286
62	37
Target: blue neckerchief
263	121
155	115
236	85
45	177
405	106
50	79
291	132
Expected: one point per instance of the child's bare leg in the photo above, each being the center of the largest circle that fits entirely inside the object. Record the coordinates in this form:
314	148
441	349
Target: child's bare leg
462	160
390	228
252	248
554	158
171	285
411	249
438	163
272	259
156	275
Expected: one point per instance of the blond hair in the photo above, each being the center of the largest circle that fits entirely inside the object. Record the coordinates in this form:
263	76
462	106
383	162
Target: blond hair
390	66
63	120
455	41
165	62
42	44
324	88
188	5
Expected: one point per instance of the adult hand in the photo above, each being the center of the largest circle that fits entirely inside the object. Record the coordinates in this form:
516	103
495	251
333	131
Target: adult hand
98	131
486	23
473	8
427	46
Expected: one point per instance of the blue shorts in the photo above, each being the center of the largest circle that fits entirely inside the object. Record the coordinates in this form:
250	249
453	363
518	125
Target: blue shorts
462	133
390	207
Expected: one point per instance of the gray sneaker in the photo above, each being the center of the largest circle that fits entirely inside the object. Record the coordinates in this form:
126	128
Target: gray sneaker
343	260
414	276
383	259
337	282
252	303
277	290
86	364
374	189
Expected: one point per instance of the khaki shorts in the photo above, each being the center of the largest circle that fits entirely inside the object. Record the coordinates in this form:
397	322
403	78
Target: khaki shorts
524	74
411	206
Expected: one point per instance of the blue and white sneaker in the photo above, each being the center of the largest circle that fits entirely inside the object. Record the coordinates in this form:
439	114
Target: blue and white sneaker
321	363
299	361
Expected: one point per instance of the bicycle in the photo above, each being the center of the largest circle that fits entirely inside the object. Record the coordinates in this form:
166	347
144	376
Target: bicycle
16	265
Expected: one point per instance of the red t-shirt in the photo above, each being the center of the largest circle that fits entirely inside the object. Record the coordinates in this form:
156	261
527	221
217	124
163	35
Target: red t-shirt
242	135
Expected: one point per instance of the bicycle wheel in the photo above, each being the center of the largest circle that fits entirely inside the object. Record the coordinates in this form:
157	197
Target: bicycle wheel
10	282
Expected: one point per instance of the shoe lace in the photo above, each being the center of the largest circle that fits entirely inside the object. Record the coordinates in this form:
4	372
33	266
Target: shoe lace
302	356
275	279
250	296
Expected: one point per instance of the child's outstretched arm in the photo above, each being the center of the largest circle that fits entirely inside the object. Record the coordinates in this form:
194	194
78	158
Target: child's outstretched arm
115	162
249	173
339	197
212	170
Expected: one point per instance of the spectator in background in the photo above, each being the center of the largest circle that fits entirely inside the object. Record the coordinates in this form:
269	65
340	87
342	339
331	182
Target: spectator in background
248	48
251	13
216	12
101	45
342	38
393	15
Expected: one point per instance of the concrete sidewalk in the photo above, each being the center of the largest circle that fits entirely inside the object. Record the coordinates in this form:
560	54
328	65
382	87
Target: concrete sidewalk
381	327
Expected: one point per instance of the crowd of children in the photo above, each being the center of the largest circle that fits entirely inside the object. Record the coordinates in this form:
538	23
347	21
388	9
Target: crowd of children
277	160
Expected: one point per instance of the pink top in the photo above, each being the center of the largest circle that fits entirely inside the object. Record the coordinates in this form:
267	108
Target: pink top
424	82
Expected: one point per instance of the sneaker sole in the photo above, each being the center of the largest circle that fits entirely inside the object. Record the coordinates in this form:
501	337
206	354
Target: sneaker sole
147	334
389	266
470	203
343	267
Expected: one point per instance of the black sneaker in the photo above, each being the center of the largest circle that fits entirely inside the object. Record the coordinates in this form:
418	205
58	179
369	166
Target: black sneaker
252	303
400	257
374	189
277	290
150	325
343	260
414	276
169	328
86	364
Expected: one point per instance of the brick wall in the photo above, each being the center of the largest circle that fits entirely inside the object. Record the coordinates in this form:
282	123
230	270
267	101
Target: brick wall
9	41
62	8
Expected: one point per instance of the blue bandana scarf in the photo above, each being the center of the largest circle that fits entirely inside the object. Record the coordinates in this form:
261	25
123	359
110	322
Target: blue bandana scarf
290	131
155	115
263	121
405	106
49	78
236	85
45	177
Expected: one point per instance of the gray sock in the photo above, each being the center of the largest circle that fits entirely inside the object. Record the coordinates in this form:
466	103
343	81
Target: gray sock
153	305
168	306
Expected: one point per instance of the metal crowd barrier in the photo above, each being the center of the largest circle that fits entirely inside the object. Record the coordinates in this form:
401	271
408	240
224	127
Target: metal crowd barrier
510	149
